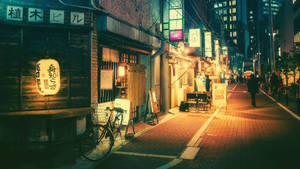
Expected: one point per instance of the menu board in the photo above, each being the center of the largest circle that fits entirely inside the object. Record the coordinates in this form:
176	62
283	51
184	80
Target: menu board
153	101
219	94
123	104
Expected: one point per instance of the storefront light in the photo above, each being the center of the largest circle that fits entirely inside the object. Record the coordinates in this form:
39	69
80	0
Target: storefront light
121	71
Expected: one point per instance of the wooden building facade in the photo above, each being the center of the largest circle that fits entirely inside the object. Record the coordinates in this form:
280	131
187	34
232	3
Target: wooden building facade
29	34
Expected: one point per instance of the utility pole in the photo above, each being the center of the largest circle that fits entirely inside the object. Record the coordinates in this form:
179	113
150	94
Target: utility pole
272	53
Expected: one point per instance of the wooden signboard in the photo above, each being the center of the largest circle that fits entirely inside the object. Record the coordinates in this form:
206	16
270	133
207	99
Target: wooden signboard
153	101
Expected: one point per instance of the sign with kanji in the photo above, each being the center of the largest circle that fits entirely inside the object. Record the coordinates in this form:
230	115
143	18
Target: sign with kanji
77	18
14	13
57	16
35	15
47	76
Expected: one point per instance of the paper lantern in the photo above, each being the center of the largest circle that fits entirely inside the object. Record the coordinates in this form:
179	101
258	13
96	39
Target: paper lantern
47	76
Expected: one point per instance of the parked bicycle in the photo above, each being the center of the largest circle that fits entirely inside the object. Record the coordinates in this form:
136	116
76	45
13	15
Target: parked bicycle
97	141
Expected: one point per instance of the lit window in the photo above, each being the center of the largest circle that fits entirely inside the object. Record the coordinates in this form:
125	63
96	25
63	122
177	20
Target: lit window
234	18
251	12
220	4
230	26
235	41
225	18
251	17
224	3
251	37
234	34
229	3
230	34
224	11
233	10
216	5
226	26
233	2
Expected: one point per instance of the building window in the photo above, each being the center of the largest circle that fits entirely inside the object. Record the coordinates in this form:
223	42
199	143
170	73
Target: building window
224	3
216	5
234	34
235	41
251	12
233	10
230	34
224	11
234	18
229	3
233	2
220	4
230	26
225	18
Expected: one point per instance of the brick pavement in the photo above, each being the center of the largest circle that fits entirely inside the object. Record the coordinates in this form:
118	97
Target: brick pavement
166	139
244	137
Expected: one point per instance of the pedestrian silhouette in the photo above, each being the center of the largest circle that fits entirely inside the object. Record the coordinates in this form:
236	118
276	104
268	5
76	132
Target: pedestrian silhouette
252	85
274	81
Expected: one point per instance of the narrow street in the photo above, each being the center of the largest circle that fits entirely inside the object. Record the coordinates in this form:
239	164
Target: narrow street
238	137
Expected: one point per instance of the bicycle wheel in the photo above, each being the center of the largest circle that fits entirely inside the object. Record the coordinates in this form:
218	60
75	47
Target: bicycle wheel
96	143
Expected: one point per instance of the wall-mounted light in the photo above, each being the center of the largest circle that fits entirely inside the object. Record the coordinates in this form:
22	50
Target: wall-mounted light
47	76
121	71
121	80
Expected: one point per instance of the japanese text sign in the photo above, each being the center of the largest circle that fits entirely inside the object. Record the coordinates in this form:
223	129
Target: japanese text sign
35	15
47	76
14	13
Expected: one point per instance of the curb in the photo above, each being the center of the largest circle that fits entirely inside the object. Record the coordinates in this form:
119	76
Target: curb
282	106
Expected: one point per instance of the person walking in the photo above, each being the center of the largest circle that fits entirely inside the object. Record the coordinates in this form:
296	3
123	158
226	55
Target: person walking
274	84
252	85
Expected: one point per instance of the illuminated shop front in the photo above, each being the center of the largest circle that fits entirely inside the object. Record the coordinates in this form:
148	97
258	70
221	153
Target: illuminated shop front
45	73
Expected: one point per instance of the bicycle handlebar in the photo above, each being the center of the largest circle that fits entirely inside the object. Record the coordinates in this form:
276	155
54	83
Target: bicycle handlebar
117	109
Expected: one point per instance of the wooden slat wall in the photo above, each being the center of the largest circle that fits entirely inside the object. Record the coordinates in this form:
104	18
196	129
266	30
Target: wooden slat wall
17	61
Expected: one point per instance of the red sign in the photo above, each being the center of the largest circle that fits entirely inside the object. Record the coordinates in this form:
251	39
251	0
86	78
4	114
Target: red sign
176	35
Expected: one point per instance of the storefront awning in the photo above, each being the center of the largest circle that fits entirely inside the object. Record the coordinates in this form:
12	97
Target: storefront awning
113	27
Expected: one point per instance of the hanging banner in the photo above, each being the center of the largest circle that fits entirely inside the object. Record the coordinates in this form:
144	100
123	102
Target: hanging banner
217	50
195	38
47	76
208	44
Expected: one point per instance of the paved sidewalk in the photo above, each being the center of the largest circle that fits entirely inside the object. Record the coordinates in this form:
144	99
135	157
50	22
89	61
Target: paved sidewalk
243	137
160	145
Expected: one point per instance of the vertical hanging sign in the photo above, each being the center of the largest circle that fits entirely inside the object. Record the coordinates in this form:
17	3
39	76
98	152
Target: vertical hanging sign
217	51
47	76
176	20
208	44
194	38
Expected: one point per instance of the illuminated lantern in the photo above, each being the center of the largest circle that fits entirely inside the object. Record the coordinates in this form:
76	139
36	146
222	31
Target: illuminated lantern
47	76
